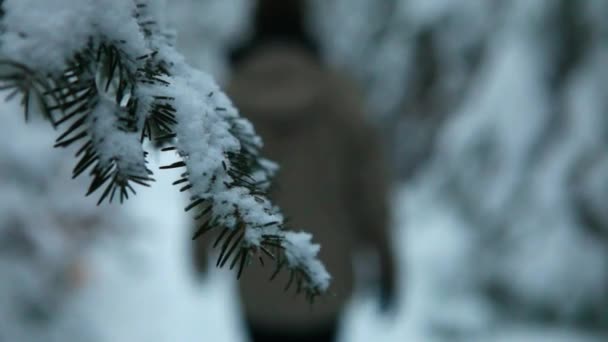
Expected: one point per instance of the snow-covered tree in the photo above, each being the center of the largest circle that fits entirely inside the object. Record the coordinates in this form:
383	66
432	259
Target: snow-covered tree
105	73
515	169
496	117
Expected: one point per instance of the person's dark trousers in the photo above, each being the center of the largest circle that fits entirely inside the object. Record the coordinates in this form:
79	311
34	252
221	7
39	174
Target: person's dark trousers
326	333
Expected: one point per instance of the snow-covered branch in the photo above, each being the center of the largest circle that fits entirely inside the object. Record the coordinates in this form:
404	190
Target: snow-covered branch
106	73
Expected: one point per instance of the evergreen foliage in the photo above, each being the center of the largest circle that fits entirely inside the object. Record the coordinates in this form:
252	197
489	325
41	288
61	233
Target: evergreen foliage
124	85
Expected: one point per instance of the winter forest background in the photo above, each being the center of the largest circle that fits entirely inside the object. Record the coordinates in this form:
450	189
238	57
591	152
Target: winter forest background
495	115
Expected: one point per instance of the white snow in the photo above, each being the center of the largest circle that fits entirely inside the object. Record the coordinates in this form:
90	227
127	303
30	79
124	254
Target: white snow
304	254
115	145
44	34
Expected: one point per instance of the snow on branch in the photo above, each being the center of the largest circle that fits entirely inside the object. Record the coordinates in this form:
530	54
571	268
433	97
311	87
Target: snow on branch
105	72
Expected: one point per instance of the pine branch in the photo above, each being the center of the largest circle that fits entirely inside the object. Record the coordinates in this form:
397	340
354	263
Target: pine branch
32	88
123	86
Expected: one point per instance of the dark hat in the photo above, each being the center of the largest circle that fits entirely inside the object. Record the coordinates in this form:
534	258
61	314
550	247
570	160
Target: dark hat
277	21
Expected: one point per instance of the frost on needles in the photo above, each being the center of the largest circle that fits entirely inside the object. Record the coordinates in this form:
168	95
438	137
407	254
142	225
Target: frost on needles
106	75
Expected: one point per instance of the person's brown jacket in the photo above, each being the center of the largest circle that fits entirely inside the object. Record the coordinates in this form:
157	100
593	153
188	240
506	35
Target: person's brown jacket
332	182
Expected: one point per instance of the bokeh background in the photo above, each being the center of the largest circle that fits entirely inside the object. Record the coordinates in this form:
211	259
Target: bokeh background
495	117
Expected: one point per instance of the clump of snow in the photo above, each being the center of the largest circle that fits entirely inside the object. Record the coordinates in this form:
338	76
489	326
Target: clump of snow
301	252
113	144
45	34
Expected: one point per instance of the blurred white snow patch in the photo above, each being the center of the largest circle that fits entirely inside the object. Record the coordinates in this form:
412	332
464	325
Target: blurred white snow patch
47	226
441	264
491	136
436	298
146	291
139	284
429	11
522	332
441	273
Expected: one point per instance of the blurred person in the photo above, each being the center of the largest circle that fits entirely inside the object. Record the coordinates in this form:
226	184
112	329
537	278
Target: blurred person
332	179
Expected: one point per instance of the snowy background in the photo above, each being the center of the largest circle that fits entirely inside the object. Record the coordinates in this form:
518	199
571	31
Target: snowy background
496	116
